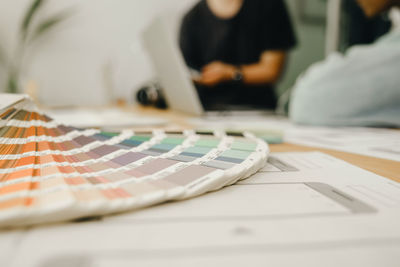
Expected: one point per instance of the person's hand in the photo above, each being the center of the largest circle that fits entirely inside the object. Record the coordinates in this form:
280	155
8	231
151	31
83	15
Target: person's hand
215	73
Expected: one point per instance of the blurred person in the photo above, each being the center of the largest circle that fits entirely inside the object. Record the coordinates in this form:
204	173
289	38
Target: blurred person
360	88
360	29
239	47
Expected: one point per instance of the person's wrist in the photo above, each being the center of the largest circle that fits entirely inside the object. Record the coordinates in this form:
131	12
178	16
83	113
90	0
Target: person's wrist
230	72
237	74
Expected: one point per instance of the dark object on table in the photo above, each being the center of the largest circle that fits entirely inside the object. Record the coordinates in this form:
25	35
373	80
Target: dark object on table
151	95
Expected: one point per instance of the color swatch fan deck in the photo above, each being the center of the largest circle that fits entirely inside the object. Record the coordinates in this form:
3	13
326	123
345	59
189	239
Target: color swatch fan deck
51	172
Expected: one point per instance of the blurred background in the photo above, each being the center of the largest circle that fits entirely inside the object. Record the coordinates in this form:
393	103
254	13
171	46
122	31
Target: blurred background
95	55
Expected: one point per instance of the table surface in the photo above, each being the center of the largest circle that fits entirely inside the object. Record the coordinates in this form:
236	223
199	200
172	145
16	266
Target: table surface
386	168
383	167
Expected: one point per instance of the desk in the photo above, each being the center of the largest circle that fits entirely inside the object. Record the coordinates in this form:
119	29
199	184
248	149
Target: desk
234	226
178	121
386	168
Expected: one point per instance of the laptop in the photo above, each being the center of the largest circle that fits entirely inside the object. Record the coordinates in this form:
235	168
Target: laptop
176	78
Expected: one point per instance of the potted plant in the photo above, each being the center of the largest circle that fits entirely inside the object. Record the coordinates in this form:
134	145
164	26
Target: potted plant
32	28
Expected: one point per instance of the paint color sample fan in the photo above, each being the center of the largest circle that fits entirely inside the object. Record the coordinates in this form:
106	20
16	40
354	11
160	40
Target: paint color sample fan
51	172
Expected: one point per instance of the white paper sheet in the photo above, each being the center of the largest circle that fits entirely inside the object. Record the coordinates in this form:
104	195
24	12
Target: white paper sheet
373	142
103	118
7	100
275	218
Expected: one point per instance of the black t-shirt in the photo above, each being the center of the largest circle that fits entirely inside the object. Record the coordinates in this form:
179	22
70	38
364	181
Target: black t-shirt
259	26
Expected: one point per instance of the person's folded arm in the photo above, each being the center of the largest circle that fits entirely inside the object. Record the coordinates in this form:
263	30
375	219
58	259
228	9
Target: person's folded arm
267	71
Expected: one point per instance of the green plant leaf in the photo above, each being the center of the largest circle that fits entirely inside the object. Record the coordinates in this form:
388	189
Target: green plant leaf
30	14
49	23
12	84
2	56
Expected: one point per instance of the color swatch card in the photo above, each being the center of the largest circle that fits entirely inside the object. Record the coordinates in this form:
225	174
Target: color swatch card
52	172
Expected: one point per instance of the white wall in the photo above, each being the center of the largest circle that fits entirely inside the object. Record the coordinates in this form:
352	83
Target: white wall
98	47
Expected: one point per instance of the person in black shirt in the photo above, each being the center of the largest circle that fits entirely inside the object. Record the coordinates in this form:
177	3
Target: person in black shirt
239	46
